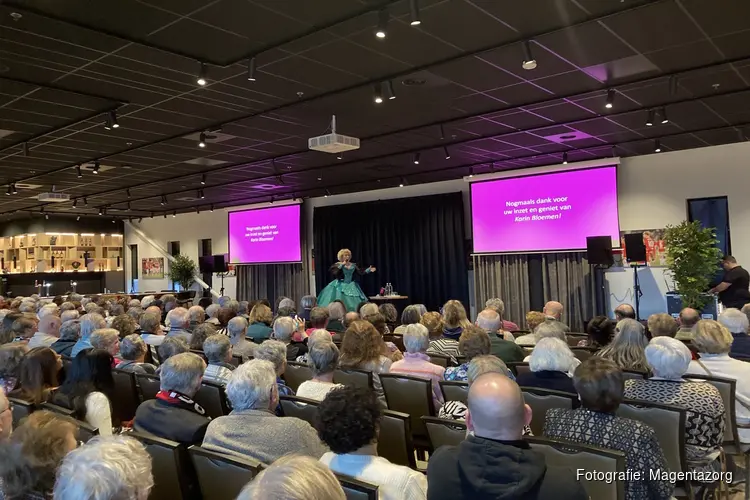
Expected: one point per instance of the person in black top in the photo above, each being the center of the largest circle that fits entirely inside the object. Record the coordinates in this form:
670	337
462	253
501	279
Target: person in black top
733	289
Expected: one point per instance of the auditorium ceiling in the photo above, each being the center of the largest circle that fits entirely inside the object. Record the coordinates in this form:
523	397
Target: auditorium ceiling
463	102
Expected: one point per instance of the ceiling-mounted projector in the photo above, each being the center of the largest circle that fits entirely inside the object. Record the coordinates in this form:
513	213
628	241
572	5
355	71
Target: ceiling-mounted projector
333	142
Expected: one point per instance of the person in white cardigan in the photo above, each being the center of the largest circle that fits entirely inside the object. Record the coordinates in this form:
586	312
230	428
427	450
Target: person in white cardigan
713	343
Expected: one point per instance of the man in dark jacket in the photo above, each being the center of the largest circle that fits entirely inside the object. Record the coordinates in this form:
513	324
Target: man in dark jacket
173	414
495	463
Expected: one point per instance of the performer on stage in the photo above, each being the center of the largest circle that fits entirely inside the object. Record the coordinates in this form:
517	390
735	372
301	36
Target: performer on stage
343	287
733	289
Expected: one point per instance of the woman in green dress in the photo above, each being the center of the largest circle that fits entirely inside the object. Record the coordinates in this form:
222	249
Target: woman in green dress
343	287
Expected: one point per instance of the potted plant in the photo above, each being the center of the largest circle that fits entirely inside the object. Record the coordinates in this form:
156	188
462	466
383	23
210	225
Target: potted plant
693	260
182	271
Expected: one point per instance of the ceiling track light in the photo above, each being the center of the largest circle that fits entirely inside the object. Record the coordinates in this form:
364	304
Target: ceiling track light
14	190
414	19
163	200
328	193
110	120
101	211
251	69
446	152
663	112
201	194
471	172
377	94
271	201
212	208
46	216
415	158
403	182
388	90
75	203
382	29
78	217
614	151
565	158
201	80
339	156
79	173
610	99
202	140
203	180
529	62
174	214
128	205
651	116
95	170
657	146
165	215
442	132
9	191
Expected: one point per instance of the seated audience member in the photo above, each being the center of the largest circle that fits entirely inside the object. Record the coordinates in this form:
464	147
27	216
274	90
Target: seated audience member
627	348
315	336
200	334
349	424
212	312
179	322
38	375
69	332
224	316
275	352
549	365
473	342
286	312
218	352
498	306
260	323
11	356
454	322
106	339
318	320
704	428
713	342
48	332
283	331
624	311
115	468
173	414
306	305
69	315
662	325
323	360
89	389
688	319
496	418
244	309
736	322
32	455
48	309
89	323
553	311
534	319
170	347
350	318
390	314
336	313
6	333
237	331
284	303
409	316
367	308
197	316
362	349
133	354
506	349
294	477
252	429
6	419
548	328
417	363
151	331
600	331
124	325
599	384
24	328
433	321
390	350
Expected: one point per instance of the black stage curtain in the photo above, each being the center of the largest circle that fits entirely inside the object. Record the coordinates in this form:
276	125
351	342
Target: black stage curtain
417	244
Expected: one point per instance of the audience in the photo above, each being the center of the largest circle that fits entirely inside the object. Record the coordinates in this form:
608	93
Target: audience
200	334
106	339
260	323
417	363
133	354
624	311
212	312
315	336
494	461
275	352
252	429
306	305
23	328
115	468
179	322
349	424
237	331
390	350
294	477
600	330
218	352
196	315
283	330
600	387
226	314
663	325
11	356
89	323
550	363
323	360
48	332
336	313
533	319
553	311
350	318
318	319
6	419
362	350
548	328
124	325
390	314
409	316
688	319
69	315
736	322
170	347
69	333
38	375
173	414
151	331
498	306
627	349
504	348
473	342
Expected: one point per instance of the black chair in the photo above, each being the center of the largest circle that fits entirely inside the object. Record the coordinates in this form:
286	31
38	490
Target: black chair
302	408
356	378
444	431
454	390
296	373
221	476
413	396
61	410
574	338
200	353
126	398
21	410
85	431
354	489
395	440
581	353
236	359
541	400
148	386
213	399
518	367
440	359
174	475
634	374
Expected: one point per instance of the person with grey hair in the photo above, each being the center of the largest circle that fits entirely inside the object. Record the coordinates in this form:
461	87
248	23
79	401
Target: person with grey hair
323	360
336	313
179	322
75	297
350	318
550	363
503	343
662	324
627	348
409	316
275	352
252	429
548	328
106	468
285	302
197	316
48	331
498	306
737	323
306	303
69	332
294	477
133	354
284	329
134	303
704	427
67	306
317	335
244	308
173	414
200	334
218	352
212	312
171	347
48	309
147	301
69	315
106	339
89	323
237	330
417	363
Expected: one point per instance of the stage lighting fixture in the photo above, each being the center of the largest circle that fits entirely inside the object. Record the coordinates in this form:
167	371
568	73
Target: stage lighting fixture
328	193
101	211
127	193
471	172
664	118
127	205
251	69
163	200
111	121
415	158
201	80
382	30
565	158
78	217
650	119
657	146
85	202
14	191
528	58
212	208
447	154
9	191
389	93
201	194
203	180
414	13
46	216
377	93
78	171
202	140
610	99
270	202
174	214
442	132
75	203
95	170
673	85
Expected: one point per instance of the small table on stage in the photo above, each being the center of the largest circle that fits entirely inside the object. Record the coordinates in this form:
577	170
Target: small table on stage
399	301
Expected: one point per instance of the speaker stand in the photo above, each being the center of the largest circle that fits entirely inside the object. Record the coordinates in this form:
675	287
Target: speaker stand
637	291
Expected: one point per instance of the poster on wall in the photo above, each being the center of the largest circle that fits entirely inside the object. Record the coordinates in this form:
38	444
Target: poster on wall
152	268
656	248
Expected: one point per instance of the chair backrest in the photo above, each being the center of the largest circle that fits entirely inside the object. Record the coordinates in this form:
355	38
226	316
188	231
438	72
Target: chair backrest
148	385
410	395
221	476
440	359
398	341
296	373
454	391
174	476
581	354
126	398
236	359
302	408
541	400
668	422
574	339
576	456
726	388
354	489
213	399
444	431
356	378
634	374
200	353
395	442
21	410
61	410
519	367
85	431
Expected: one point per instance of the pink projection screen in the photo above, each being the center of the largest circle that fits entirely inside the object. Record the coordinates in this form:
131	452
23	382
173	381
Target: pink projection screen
545	212
265	235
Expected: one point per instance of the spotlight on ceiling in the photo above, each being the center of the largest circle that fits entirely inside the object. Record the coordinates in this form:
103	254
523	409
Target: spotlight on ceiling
212	208
203	180
101	211
202	140
14	191
251	69
664	118
339	156
270	202
163	200
388	90
46	216
610	99
377	93
9	191
382	29
446	152
415	158
78	217
26	149
110	120
657	146
201	80
174	214
78	171
650	119
565	158
201	194
127	193
95	170
528	58
127	205
471	172
75	203
403	182
414	13
328	193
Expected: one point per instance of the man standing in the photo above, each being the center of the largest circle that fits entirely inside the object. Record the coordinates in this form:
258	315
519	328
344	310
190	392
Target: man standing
733	289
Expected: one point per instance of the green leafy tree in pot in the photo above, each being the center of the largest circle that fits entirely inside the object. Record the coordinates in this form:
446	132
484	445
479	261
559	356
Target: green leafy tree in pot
182	271
693	260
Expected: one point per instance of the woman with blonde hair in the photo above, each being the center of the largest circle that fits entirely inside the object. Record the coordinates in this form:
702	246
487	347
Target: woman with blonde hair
343	287
362	349
260	321
628	347
454	322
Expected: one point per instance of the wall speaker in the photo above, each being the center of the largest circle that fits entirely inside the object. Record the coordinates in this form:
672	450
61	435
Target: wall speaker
599	250
635	249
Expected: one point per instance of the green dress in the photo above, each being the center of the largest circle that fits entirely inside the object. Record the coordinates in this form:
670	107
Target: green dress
343	287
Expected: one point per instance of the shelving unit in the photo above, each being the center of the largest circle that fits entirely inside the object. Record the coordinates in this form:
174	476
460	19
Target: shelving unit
61	252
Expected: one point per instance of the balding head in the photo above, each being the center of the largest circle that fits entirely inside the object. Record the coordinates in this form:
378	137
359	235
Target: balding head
350	317
154	310
553	309
496	408
489	321
689	317
624	311
50	325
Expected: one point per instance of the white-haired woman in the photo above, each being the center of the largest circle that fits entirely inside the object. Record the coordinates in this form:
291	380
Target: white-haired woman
416	362
704	428
317	335
323	359
550	363
294	477
627	348
343	287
